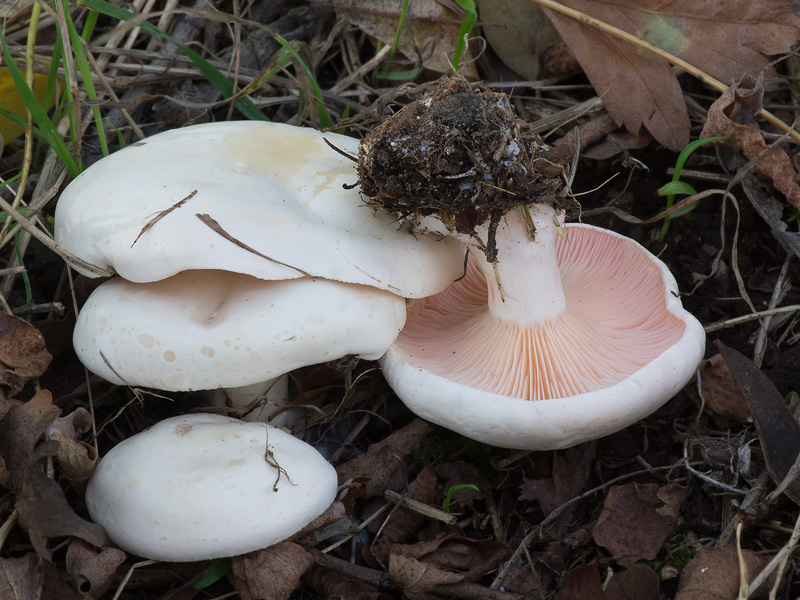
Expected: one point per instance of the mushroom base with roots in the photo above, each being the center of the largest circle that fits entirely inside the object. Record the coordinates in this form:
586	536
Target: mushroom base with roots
566	338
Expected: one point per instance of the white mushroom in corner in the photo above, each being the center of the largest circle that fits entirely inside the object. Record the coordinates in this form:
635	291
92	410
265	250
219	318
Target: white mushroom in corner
205	486
557	334
243	257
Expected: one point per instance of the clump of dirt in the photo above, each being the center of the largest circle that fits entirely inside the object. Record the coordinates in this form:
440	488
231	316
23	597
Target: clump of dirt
463	156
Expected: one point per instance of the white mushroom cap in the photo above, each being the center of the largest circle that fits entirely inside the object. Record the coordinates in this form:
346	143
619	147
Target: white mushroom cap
274	188
198	486
619	348
209	329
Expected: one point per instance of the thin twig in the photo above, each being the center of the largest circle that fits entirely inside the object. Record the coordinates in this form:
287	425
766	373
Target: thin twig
750	317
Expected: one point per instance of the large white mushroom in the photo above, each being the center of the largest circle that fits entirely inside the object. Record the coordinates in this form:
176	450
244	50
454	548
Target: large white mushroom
206	486
180	214
264	199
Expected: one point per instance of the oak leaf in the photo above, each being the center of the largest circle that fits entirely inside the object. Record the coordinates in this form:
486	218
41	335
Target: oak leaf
724	39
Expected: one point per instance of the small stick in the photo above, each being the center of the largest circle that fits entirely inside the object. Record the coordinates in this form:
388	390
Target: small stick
420	507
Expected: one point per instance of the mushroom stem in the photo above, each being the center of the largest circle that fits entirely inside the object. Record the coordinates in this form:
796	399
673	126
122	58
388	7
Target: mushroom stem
528	286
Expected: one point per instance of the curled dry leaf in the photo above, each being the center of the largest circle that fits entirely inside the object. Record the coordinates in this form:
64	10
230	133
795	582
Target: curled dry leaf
272	573
725	40
771	210
77	459
90	570
23	355
733	115
713	574
639	582
582	583
637	518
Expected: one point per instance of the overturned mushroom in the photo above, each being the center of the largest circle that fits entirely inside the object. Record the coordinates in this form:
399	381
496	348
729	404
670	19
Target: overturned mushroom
557	334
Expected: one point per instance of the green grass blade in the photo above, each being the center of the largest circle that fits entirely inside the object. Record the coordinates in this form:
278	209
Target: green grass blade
682	157
324	119
86	74
676	187
466	27
38	112
452	490
209	71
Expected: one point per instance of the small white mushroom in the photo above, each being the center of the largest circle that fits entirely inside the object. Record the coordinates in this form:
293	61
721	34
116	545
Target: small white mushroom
205	486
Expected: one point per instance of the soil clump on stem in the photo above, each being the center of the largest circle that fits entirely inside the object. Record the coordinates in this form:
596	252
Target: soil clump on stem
463	156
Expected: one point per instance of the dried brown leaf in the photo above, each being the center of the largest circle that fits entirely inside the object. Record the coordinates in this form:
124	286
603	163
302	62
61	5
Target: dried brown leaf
723	401
733	115
457	554
713	574
45	513
464	473
419	580
20	430
272	573
725	40
23	355
778	432
384	464
90	570
334	586
637	518
430	25
582	583
19	577
524	36
569	476
617	143
639	582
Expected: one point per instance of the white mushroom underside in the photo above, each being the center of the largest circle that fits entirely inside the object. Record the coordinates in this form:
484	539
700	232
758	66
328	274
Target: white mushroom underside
197	487
621	348
210	329
274	188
